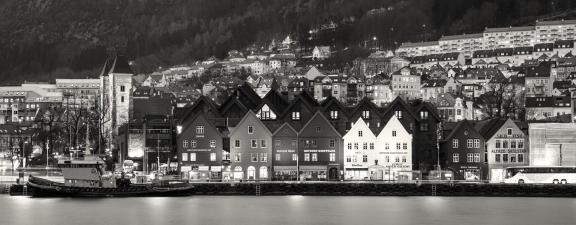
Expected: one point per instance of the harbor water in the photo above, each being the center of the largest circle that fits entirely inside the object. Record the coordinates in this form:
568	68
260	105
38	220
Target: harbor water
285	210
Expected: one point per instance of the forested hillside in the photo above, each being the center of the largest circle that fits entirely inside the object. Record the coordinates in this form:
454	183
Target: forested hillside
44	39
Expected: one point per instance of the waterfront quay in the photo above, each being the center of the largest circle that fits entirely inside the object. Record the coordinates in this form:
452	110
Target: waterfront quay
373	189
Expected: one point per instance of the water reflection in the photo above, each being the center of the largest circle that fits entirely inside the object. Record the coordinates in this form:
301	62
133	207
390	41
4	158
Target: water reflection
282	210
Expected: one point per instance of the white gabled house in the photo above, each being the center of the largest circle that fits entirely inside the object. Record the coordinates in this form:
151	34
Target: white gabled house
359	151
393	153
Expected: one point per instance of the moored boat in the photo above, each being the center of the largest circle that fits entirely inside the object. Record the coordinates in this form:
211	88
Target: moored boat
87	178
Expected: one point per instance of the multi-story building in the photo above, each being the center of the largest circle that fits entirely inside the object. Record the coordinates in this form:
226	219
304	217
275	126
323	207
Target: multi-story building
393	159
360	152
509	37
466	43
547	108
201	149
539	79
250	149
552	144
463	152
406	84
418	49
23	104
506	146
79	92
285	151
550	31
320	150
115	96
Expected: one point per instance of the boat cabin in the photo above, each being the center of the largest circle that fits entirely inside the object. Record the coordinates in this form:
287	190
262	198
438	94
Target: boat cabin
86	172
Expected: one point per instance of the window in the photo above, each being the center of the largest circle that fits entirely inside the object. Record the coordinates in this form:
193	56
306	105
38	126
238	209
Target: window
476	143
122	88
470	157
237	157
212	157
520	143
121	98
356	145
405	146
350	146
295	115
348	158
509	131
254	157
254	143
306	157
424	127
397	159
364	158
194	144
317	129
476	157
277	143
387	158
371	145
424	114
293	143
512	143
505	144
398	113
184	156
263	144
332	157
403	158
520	158
212	143
498	143
393	133
387	146
497	158
455	143
314	157
470	143
333	114
505	158
332	143
199	129
294	157
250	129
263	157
185	143
398	146
192	157
455	157
359	133
366	114
237	143
512	158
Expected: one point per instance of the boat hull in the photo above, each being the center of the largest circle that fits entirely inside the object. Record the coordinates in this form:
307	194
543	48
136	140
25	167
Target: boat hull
37	187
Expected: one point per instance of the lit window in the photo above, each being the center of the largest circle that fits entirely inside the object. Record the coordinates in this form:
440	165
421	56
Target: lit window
295	115
212	157
334	114
332	157
455	143
398	114
470	143
306	157
193	157
476	143
194	144
294	157
263	157
184	156
314	157
277	157
199	129
366	114
212	143
455	157
185	143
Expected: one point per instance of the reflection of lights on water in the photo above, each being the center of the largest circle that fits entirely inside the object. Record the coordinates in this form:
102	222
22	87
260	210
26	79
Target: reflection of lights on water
296	197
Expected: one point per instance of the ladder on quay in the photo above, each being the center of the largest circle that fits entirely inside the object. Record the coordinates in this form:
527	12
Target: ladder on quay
258	189
25	190
7	188
434	190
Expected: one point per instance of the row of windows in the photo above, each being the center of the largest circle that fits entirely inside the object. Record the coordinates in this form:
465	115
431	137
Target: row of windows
510	143
194	143
364	145
470	143
192	157
470	157
253	143
506	158
354	159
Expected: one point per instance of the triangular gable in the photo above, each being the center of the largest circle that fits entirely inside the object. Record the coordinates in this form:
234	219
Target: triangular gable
286	127
461	125
303	99
319	116
197	117
359	125
365	102
230	104
431	110
250	114
393	121
402	103
202	101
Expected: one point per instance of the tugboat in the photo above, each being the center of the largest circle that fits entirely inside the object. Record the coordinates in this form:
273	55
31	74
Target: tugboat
86	177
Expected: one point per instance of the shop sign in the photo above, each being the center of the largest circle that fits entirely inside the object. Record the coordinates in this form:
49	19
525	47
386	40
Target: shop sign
508	150
319	150
511	136
285	150
198	150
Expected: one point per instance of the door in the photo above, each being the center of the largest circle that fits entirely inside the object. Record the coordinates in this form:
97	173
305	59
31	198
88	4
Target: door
333	174
251	173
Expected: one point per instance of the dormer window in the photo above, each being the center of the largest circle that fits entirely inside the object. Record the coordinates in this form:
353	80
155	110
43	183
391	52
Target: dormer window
333	114
366	114
398	114
424	114
295	115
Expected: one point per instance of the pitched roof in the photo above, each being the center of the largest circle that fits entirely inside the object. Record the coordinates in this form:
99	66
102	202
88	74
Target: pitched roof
488	128
321	115
558	101
120	65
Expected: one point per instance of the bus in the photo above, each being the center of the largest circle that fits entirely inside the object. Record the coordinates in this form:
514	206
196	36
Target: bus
541	175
